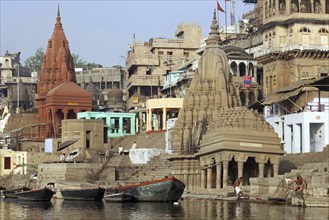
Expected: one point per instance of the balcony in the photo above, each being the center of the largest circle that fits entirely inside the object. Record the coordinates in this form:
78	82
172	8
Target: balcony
147	59
136	102
265	51
310	17
144	80
167	43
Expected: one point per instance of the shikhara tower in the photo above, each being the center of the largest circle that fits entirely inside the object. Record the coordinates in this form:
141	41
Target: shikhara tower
215	140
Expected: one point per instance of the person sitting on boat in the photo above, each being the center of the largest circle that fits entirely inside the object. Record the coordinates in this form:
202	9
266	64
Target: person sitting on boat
238	190
283	183
300	184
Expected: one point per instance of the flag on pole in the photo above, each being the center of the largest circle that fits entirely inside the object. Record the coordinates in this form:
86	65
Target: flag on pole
219	8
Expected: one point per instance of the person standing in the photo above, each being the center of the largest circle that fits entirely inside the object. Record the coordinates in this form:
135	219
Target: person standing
120	150
134	145
62	158
300	184
238	190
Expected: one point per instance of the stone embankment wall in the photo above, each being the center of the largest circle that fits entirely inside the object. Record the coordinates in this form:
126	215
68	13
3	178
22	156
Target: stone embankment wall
64	173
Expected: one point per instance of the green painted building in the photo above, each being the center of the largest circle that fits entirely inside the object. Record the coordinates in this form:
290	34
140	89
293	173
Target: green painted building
118	124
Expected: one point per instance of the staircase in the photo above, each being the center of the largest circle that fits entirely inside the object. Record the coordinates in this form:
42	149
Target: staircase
158	167
292	161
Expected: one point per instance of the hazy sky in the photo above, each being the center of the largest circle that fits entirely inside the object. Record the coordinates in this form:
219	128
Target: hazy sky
100	31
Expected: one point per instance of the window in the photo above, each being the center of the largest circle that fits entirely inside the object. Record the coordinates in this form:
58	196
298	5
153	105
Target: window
7	163
305	30
170	53
324	35
323	30
186	54
160	53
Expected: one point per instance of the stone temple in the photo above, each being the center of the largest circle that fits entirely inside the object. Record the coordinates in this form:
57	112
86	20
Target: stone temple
214	139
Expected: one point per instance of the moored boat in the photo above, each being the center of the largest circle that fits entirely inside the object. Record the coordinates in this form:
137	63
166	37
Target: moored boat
11	193
118	197
44	194
83	194
162	190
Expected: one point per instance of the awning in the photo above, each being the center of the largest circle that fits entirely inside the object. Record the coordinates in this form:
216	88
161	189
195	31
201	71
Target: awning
65	144
298	88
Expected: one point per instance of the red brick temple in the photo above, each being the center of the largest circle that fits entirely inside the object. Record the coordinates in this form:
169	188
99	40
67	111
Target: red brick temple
59	97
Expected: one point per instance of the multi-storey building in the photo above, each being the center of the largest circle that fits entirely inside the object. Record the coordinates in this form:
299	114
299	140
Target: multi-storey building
294	56
148	61
17	84
107	84
295	42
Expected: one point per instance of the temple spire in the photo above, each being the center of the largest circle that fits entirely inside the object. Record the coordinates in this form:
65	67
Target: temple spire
214	38
58	18
58	12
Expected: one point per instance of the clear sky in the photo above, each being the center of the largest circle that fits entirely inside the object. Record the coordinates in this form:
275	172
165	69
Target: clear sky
100	31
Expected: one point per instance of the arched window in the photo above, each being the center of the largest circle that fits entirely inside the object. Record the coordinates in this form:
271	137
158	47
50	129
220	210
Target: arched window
323	31
324	37
305	30
282	6
242	69
294	6
234	68
317	6
305	35
251	69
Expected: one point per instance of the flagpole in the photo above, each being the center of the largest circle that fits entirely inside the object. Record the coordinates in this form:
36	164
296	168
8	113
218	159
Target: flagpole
217	17
225	21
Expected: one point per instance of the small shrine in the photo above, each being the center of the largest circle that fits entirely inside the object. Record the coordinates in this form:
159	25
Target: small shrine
59	97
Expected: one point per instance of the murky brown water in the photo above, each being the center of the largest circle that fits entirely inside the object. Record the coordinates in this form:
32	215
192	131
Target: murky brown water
186	209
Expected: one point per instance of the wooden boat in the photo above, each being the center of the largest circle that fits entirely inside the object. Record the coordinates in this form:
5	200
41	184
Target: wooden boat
118	197
44	194
11	193
162	190
84	194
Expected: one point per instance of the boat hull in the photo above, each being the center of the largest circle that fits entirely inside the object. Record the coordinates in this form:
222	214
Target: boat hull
94	194
163	190
118	197
44	194
11	193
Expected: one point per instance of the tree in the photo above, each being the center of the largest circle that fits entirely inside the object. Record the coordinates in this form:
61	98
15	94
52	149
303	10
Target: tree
79	63
34	62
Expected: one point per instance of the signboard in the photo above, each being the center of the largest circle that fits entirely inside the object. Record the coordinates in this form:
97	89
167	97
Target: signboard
247	82
134	99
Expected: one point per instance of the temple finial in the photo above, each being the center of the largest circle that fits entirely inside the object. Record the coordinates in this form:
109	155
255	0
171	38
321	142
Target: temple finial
58	12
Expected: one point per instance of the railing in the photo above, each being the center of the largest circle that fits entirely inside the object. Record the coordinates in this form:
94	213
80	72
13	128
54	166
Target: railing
262	52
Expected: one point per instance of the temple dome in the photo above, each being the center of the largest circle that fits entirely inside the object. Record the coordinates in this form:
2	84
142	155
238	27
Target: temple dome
68	89
115	93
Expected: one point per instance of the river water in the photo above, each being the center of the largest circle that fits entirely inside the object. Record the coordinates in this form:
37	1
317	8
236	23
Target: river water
189	209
